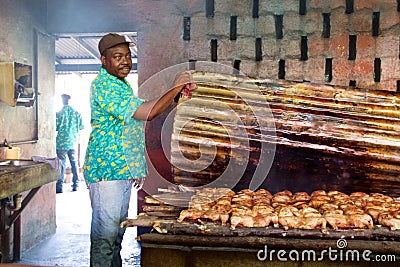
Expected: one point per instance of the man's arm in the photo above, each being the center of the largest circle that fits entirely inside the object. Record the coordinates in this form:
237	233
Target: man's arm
150	109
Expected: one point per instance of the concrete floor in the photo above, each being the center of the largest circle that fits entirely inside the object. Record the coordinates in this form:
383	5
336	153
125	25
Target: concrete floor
70	245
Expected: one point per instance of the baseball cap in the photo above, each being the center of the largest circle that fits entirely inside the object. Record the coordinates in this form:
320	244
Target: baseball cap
112	39
65	96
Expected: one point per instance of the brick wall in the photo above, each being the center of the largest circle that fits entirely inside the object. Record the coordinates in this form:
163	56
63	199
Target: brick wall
336	42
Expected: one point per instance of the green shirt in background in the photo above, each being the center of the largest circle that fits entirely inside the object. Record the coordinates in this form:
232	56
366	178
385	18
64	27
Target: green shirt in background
116	148
68	124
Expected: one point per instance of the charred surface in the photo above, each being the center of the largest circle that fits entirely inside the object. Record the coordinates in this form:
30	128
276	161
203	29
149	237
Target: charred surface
317	136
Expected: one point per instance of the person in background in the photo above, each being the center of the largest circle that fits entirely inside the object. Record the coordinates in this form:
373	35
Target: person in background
116	141
68	125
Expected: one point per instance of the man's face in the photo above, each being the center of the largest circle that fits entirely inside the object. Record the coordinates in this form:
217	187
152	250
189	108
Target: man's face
117	60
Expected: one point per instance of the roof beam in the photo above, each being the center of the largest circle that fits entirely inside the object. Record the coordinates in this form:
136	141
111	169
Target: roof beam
87	48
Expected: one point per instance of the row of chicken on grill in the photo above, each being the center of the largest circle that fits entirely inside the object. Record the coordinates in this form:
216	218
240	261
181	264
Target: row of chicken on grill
318	210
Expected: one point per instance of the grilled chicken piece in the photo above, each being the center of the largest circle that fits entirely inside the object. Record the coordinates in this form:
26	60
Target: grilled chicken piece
224	217
202	199
243	199
314	223
201	202
241	217
359	195
337	221
262	209
220	211
237	208
324	198
340	198
390	219
191	214
380	197
248	204
225	200
281	199
283	193
208	196
338	195
208	191
302	222
374	212
332	212
378	204
289	221
209	203
342	201
392	223
264	220
359	202
353	210
328	207
300	205
301	196
217	215
354	221
309	212
212	215
333	192
262	201
345	205
222	208
318	200
288	211
306	218
360	221
226	192
246	192
318	193
242	220
264	215
262	192
391	214
262	196
359	198
257	216
376	208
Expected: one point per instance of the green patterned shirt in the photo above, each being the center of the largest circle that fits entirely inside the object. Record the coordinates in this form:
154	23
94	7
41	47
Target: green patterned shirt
68	124
116	148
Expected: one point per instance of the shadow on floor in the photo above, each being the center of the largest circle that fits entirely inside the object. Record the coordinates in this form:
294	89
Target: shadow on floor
70	245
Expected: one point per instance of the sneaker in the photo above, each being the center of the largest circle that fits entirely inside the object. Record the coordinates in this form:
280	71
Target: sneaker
58	191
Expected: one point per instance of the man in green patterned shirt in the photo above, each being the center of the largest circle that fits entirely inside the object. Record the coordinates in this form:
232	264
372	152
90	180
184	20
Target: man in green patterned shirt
115	156
68	124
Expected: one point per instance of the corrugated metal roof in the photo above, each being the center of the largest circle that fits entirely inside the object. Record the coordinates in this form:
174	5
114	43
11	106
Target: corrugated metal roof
79	52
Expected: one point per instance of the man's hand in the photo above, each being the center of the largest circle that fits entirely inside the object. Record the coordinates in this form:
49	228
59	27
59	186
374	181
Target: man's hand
152	108
184	78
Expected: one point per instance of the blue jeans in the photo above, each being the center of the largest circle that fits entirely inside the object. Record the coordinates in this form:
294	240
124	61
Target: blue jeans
62	155
110	204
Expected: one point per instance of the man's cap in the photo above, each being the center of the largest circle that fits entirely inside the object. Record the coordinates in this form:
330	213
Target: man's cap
112	39
65	96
